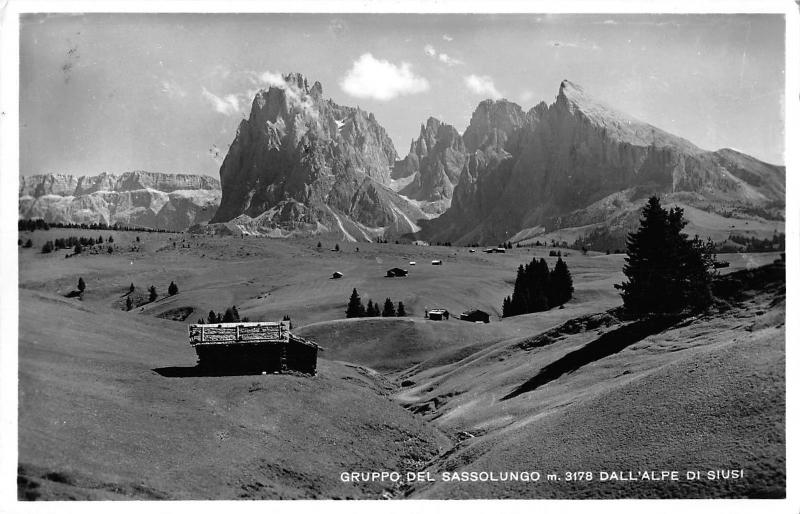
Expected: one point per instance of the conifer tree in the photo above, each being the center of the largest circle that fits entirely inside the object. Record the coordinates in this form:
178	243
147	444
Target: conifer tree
153	293
81	285
355	309
228	317
666	272
388	309
371	311
128	303
212	317
561	288
507	311
235	313
401	310
172	289
131	289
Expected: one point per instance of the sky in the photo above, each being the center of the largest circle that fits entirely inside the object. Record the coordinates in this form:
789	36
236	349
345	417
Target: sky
165	92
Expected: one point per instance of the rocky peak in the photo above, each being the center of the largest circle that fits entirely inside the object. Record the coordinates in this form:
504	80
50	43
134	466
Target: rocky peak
492	122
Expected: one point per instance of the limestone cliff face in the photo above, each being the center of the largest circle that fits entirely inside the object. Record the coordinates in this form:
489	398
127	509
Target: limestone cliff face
433	165
301	163
137	198
532	169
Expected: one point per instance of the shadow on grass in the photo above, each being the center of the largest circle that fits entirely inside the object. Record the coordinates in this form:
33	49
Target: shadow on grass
605	345
197	371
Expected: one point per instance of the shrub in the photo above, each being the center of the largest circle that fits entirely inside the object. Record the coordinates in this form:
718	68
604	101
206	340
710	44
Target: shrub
81	285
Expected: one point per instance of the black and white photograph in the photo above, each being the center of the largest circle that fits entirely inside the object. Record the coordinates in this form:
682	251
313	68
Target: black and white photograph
370	252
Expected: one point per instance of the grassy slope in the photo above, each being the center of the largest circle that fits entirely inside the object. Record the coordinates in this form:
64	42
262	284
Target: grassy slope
708	394
98	421
86	369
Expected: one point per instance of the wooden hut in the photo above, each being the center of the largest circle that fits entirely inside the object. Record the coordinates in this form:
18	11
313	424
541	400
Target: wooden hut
476	316
438	314
252	347
397	272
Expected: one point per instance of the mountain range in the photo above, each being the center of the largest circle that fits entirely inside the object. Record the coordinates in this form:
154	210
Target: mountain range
301	164
136	199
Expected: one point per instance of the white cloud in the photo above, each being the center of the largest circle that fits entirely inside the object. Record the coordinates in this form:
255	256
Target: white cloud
296	96
172	89
570	44
482	85
227	105
381	80
446	37
430	51
449	60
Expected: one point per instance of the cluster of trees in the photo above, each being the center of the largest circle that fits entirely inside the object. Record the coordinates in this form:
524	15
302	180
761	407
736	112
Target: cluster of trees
356	309
40	224
152	294
752	244
77	243
537	289
602	240
666	271
231	315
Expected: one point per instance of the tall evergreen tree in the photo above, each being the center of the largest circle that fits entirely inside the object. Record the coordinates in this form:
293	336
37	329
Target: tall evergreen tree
153	293
355	309
128	303
401	310
372	310
507	311
81	285
666	272
131	289
228	317
388	309
172	289
235	313
212	317
561	288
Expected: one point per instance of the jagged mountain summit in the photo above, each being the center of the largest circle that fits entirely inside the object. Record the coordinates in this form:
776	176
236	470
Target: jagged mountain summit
301	164
136	198
432	167
580	164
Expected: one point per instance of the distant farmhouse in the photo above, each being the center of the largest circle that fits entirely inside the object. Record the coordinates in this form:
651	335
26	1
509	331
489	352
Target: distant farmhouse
252	348
436	262
438	314
337	274
397	272
476	316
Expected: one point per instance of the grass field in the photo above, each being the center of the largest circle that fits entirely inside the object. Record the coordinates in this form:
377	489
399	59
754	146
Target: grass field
105	411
